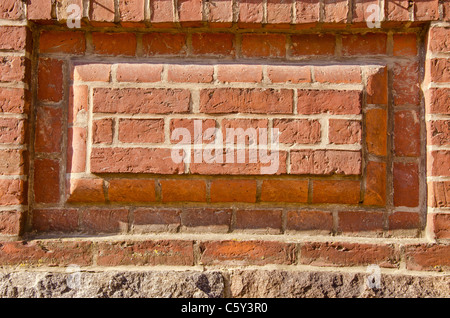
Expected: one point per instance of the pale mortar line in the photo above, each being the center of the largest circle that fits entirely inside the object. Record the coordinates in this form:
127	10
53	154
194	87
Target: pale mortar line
431	117
437	148
18	207
14	115
5	22
13	146
438	178
14	177
431	210
14	85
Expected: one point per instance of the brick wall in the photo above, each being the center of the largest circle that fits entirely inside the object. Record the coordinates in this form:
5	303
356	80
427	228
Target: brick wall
91	117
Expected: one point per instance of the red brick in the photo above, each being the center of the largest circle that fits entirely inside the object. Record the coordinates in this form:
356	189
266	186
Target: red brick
367	44
406	87
48	130
188	123
426	10
183	190
46	181
139	73
149	253
180	73
325	162
39	10
347	254
438	163
376	131
276	165
131	190
313	44
407	133
318	101
284	191
85	190
439	69
134	160
404	221
279	11
114	43
101	10
14	69
250	11
164	43
239	73
335	11
439	40
246	253
12	131
104	221
439	194
92	72
220	12
263	45
309	221
190	11
361	11
338	74
131	10
55	220
298	131
161	12
12	162
406	184
233	191
342	131
141	101
441	225
437	100
250	100
76	149
307	11
147	220
375	190
14	100
46	253
429	257
12	222
397	10
377	86
336	191
50	79
246	131
446	11
13	9
405	44
360	221
214	44
72	42
12	192
259	221
102	131
206	220
141	130
289	74
14	38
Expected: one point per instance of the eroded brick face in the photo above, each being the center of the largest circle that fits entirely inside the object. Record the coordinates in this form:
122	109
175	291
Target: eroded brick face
97	142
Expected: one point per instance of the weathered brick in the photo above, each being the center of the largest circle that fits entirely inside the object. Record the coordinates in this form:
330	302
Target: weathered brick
12	162
406	88
338	74
429	257
405	44
181	73
164	43
438	163
131	10
55	220
76	149
14	100
284	191
313	44
289	74
50	79
92	72
377	86
426	10
146	220
406	184
404	221
12	222
12	131
13	192
233	191
102	10
15	69
250	11
220	12
407	133
239	73
104	220
279	11
307	11
189	124
246	253
336	191
397	10
309	221
14	9
139	73
141	101
335	11
439	69
348	254
263	45
246	100
259	221
85	190
114	43
141	130
214	44
46	181
439	40
161	12
131	190
134	160
71	42
318	101
342	131
439	194
376	131
183	190
360	221
325	162
102	131
441	225
150	253
14	38
190	11
298	131
437	100
367	44
375	190
48	130
206	220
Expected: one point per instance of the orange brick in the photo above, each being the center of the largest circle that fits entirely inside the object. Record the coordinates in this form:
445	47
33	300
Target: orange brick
183	190
114	43
233	191
336	191
263	45
284	191
131	190
376	131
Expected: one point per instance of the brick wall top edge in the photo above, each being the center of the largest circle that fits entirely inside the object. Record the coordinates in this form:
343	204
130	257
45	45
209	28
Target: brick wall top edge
226	13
